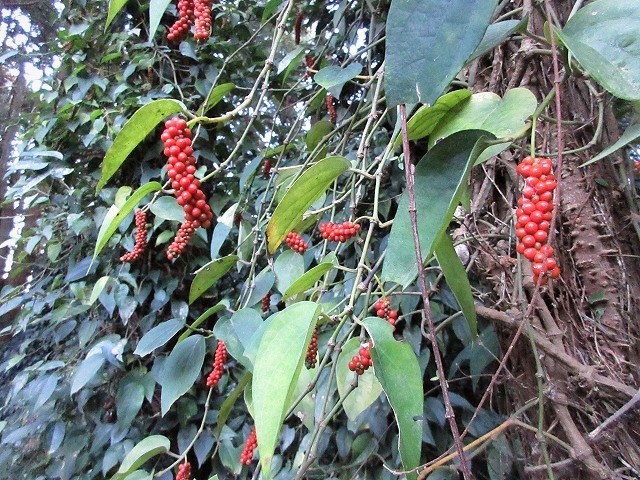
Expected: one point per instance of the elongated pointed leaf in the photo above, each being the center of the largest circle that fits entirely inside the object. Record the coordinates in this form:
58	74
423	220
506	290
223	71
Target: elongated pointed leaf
440	177
112	222
333	78
456	276
276	373
309	278
396	367
181	369
114	7
210	274
497	33
237	332
156	10
230	401
158	336
135	131
301	195
202	318
215	96
369	388
428	43
143	451
603	37
630	134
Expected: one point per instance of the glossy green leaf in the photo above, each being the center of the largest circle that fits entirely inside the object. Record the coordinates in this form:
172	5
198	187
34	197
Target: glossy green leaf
333	78
114	7
427	45
603	38
135	131
230	401
487	111
237	331
457	279
289	58
129	400
288	267
215	96
145	449
156	10
215	309
631	133
98	288
209	275
309	278
496	34
396	367
167	208
440	177
276	372
262	285
86	371
301	195
425	120
181	369
111	222
158	336
369	388
318	131
270	8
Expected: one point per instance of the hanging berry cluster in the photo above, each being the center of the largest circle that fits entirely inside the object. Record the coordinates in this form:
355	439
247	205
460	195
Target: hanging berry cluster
181	167
190	12
331	108
340	232
361	362
219	359
184	471
383	310
296	242
141	238
297	28
265	303
309	62
266	168
636	167
312	352
534	215
252	443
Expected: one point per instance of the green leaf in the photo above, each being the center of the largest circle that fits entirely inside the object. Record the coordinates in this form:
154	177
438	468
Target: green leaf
114	7
301	195
630	134
167	208
425	120
98	288
156	10
87	370
369	388
230	401
237	332
157	337
428	43
135	131
309	278
276	372
270	8
496	34
603	37
262	285
319	130
456	276
215	96
215	309
397	369
291	57
181	369
333	78
487	111
114	218
129	399
440	177
288	267
143	451
210	274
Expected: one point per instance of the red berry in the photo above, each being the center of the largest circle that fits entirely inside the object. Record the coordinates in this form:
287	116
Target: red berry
184	471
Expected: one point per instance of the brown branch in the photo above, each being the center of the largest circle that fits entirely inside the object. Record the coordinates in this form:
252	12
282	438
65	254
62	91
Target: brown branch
424	290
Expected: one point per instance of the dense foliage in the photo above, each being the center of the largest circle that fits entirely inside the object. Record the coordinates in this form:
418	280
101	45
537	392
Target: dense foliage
109	366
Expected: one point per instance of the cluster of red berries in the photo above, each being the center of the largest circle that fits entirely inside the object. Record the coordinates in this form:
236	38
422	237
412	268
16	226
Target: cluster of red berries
265	302
534	214
184	471
252	443
190	12
181	167
636	167
298	28
141	238
312	352
296	242
331	108
266	168
361	362
338	232
383	310
178	31
309	62
219	359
